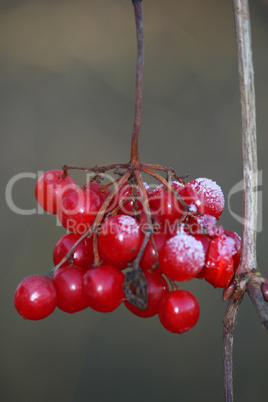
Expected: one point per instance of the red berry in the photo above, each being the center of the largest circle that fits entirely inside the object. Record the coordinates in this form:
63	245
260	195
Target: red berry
158	222
205	195
156	287
103	288
79	209
219	269
107	261
83	254
98	189
178	311
51	188
205	240
182	257
120	238
68	282
35	297
148	257
129	207
164	202
236	246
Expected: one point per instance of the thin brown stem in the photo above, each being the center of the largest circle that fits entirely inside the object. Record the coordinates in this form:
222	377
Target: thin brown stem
137	4
95	225
145	202
157	176
97	260
261	306
247	272
95	169
106	203
249	137
229	322
170	171
88	233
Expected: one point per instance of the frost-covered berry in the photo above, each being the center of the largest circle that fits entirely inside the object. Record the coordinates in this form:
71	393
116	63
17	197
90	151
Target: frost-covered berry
206	195
182	257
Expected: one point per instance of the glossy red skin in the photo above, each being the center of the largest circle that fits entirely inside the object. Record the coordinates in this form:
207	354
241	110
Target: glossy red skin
164	202
79	210
97	188
103	288
148	257
196	194
83	254
35	297
183	264
178	311
158	222
205	240
236	251
128	208
264	289
120	238
156	287
191	197
107	261
68	282
219	269
51	188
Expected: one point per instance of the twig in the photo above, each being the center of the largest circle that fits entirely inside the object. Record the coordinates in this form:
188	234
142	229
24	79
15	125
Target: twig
137	4
228	338
249	137
247	272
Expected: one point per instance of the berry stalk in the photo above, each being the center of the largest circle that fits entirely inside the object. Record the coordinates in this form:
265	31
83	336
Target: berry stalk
134	160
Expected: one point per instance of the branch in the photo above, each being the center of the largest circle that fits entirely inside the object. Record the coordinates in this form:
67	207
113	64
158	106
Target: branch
247	276
228	338
249	137
137	4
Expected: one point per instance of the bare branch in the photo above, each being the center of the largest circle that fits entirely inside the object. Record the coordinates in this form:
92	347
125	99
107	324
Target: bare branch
247	272
228	337
249	138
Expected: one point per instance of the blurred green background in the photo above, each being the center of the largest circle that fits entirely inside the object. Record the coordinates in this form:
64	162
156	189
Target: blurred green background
67	84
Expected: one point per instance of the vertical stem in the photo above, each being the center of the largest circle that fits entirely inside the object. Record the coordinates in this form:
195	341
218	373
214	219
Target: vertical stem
249	138
137	4
228	339
250	182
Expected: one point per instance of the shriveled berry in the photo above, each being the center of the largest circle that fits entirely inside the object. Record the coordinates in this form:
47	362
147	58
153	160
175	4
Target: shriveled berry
156	287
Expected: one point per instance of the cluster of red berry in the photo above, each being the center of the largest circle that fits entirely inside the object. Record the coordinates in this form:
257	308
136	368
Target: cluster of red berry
109	235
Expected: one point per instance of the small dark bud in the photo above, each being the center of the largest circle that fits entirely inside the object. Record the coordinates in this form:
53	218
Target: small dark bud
228	292
264	289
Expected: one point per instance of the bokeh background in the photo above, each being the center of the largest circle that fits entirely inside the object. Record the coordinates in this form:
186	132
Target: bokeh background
67	84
